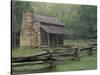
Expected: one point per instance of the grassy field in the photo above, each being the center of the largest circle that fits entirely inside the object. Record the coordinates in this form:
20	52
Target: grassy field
86	63
80	42
24	52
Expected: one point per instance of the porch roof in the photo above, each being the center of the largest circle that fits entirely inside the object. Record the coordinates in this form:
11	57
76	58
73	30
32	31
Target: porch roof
53	29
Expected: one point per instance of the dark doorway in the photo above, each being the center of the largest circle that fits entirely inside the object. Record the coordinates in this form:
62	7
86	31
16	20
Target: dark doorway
53	40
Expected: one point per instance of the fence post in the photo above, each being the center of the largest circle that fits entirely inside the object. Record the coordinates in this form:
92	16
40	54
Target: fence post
90	51
50	59
77	54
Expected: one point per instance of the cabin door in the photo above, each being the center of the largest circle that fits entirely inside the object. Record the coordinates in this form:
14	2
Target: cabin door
53	40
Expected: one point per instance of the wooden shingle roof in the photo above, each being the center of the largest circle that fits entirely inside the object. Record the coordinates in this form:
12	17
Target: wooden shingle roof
47	19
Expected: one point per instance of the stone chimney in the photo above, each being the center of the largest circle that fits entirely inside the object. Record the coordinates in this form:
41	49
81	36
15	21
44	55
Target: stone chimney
27	34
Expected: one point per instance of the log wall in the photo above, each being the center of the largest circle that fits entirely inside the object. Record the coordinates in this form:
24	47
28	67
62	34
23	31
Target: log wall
44	38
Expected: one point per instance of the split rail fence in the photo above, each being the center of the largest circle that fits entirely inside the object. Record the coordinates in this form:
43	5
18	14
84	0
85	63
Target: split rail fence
49	55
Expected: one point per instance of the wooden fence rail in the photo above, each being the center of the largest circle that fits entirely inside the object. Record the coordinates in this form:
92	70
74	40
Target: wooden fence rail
55	55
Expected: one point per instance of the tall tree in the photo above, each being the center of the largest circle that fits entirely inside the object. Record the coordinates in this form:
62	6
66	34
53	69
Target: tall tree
88	19
18	7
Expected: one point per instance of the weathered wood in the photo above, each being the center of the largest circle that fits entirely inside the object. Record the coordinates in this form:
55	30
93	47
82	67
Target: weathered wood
57	40
90	52
28	58
54	54
77	54
26	63
48	41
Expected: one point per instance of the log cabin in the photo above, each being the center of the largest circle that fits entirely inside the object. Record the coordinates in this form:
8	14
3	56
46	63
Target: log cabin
41	31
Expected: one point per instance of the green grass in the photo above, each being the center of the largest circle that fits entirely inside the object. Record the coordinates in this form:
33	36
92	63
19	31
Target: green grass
79	42
24	52
86	63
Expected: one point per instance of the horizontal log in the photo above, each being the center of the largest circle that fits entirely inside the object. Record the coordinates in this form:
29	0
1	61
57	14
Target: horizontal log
94	44
27	63
28	58
63	58
83	49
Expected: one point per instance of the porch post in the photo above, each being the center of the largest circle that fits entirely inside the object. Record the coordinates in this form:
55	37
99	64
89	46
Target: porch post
48	40
57	40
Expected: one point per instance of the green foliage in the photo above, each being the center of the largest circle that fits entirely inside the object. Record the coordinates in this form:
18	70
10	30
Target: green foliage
18	7
88	17
79	20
